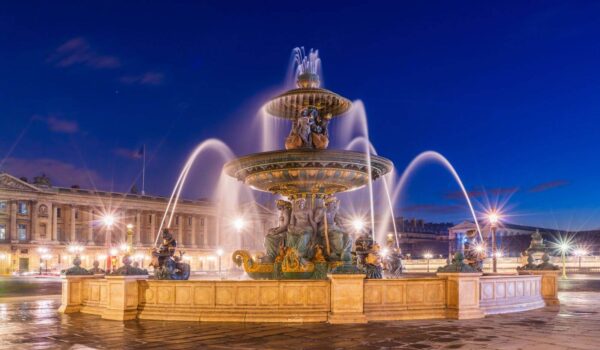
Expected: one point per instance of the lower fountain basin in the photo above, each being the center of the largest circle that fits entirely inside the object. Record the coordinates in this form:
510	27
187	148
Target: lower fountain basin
307	172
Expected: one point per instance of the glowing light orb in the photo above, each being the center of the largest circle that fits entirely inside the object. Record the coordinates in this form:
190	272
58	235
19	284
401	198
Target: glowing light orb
108	220
358	224
239	223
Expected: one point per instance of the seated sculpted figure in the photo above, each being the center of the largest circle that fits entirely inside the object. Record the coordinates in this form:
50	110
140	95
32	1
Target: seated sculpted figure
339	241
302	227
276	235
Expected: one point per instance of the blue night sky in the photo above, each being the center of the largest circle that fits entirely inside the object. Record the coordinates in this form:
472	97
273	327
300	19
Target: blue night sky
507	91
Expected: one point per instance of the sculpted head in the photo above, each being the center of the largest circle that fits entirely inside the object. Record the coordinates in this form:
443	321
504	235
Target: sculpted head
283	204
166	234
301	203
332	203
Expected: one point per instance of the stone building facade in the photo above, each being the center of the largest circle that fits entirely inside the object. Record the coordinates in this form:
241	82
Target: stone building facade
41	225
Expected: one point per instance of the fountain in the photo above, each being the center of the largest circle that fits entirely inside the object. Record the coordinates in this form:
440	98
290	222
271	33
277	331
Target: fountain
307	273
310	240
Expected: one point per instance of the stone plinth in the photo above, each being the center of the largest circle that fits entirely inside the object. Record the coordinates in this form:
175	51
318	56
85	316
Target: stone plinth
72	293
549	284
462	295
123	297
347	298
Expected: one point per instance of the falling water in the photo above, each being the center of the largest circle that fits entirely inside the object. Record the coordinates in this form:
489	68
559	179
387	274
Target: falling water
210	144
356	118
437	157
361	140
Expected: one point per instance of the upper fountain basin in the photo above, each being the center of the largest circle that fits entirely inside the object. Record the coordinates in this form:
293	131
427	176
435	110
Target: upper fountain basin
290	104
307	172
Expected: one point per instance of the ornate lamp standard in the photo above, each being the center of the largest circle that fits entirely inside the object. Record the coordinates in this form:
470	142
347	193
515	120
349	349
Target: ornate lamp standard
42	252
579	253
428	256
129	239
564	247
108	220
493	218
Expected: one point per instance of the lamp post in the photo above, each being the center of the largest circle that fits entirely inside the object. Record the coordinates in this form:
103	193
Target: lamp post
564	248
428	256
108	220
579	253
42	252
220	254
493	218
46	257
129	239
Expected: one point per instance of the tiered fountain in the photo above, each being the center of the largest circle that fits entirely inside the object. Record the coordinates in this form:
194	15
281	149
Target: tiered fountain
310	239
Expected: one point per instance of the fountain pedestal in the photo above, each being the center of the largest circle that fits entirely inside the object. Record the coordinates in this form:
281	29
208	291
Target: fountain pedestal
123	297
462	295
347	298
72	293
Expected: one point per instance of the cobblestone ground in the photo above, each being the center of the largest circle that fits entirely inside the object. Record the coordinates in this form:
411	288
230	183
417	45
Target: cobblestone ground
33	323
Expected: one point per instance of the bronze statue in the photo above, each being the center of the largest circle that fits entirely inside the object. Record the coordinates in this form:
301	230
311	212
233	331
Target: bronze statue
301	229
276	235
166	265
320	131
96	270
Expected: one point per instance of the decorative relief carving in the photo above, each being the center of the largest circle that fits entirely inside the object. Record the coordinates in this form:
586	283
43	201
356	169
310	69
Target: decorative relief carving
43	210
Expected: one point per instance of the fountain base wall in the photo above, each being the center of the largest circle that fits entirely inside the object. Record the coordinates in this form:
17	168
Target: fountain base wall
339	299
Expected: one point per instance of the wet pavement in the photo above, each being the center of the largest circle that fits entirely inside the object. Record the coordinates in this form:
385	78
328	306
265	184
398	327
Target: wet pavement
29	286
33	323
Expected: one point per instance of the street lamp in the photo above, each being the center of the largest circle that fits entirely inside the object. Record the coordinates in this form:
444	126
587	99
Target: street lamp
108	220
45	258
564	248
42	251
493	218
220	254
579	253
239	224
428	256
129	238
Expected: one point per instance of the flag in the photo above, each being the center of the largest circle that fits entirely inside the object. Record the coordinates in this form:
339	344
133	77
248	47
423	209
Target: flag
142	152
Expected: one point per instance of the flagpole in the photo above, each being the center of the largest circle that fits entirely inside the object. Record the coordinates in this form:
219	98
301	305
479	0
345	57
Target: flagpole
144	170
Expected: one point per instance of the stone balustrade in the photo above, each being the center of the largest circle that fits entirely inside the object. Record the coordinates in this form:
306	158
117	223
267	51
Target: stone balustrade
503	294
339	299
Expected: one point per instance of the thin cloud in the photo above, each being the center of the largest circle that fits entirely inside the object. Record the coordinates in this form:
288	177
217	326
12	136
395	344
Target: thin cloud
77	51
545	186
60	173
128	153
148	79
59	124
482	193
435	209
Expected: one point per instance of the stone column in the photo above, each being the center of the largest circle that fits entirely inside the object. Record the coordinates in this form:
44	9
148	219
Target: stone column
462	295
54	229
138	228
549	284
13	222
180	230
72	233
205	231
347	298
152	228
90	229
34	234
123	297
193	232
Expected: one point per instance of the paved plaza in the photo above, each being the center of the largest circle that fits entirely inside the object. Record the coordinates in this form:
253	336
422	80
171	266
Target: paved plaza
32	322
